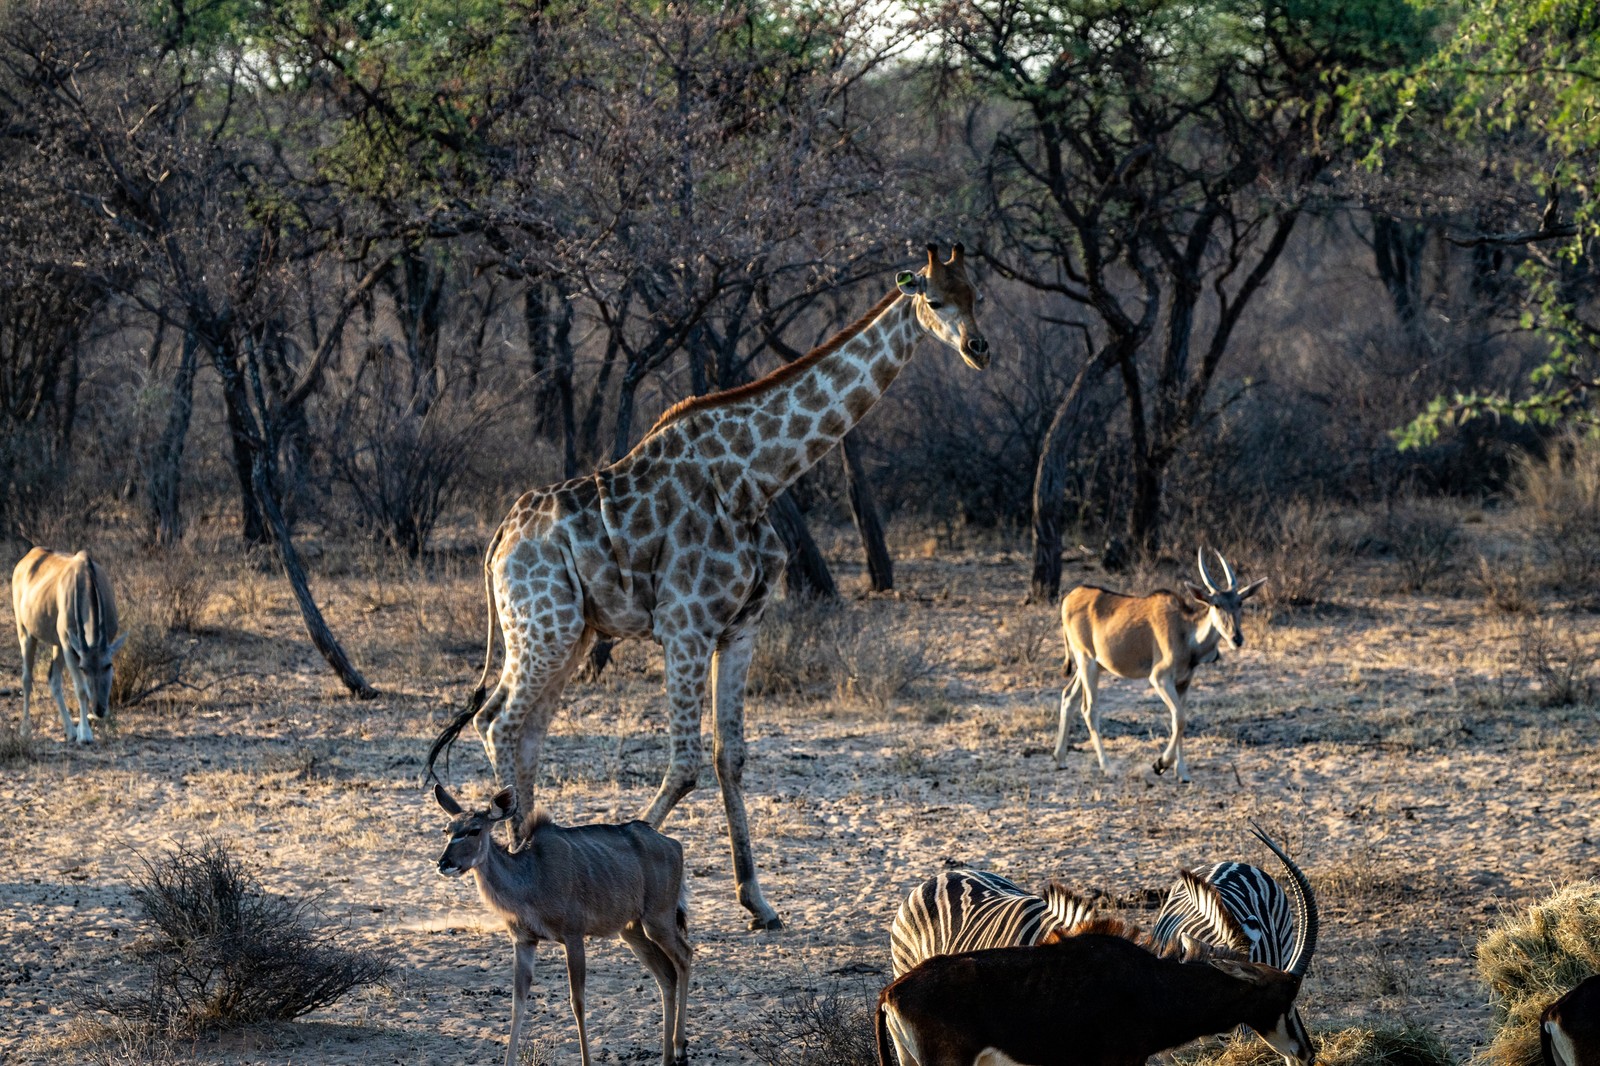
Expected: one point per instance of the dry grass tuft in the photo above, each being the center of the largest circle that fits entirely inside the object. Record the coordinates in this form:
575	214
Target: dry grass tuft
833	1029
796	650
1299	552
225	953
1558	508
1506	584
1533	958
16	747
1359	1045
1554	657
878	666
1424	537
147	663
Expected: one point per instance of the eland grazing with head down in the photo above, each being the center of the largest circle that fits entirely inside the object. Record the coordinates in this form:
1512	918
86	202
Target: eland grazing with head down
65	601
1162	637
570	882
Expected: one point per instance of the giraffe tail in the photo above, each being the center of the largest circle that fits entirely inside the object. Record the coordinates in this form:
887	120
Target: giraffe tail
447	737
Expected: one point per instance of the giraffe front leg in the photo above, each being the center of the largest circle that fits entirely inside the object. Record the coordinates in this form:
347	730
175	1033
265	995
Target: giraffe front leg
732	667
688	666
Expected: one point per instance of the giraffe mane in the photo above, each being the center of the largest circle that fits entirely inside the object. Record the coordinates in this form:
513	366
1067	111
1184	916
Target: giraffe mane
782	373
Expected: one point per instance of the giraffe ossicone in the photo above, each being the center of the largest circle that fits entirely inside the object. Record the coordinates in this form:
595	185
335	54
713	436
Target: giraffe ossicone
672	542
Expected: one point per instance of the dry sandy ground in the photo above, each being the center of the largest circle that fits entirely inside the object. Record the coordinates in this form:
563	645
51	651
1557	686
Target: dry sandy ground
1395	743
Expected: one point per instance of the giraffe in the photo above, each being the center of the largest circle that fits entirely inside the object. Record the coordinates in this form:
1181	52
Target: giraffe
672	542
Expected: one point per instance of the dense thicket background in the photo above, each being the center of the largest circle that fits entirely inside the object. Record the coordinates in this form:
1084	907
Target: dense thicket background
356	269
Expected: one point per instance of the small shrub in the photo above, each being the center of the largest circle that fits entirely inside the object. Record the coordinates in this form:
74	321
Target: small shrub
1031	640
878	666
1532	958
146	664
833	1029
1506	584
1558	507
1359	1045
14	746
1556	660
796	651
1424	538
1300	554
226	953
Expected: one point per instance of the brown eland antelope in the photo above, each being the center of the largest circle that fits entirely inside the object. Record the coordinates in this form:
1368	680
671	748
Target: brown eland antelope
65	601
1160	636
1569	1029
1098	994
567	883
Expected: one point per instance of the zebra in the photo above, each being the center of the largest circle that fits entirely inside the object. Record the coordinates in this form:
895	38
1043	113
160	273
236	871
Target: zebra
965	910
1234	905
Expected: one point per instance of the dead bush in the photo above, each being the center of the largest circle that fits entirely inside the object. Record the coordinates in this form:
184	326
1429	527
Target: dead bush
1424	537
1532	958
1359	1045
796	651
1506	584
14	746
148	662
879	666
1031	640
225	953
1557	498
1555	659
834	1028
1299	552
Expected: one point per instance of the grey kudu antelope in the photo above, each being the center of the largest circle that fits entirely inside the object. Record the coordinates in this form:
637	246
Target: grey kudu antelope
65	601
1087	997
566	883
1159	636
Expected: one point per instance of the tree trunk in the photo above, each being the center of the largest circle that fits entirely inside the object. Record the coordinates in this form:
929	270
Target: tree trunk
1050	485
165	520
235	402
1397	253
806	576
316	626
864	513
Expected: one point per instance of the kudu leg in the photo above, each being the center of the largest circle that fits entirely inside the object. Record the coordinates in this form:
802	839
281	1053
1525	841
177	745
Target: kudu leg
668	980
732	666
575	976
1173	755
521	982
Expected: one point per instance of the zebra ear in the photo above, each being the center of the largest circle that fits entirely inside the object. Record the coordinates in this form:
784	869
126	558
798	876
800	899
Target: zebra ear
1066	907
1206	901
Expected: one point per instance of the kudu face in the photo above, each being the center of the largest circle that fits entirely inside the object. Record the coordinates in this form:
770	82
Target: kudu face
470	833
947	306
1225	604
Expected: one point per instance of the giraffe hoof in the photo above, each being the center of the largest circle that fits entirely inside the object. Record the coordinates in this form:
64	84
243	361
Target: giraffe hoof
759	924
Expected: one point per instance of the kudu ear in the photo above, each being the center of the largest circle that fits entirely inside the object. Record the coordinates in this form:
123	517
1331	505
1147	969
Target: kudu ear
116	645
445	800
1199	593
1250	589
500	805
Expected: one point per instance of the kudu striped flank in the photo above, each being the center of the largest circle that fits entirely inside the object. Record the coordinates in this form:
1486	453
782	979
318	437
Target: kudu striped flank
1161	636
568	883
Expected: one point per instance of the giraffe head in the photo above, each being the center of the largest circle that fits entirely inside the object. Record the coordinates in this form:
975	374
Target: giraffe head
945	304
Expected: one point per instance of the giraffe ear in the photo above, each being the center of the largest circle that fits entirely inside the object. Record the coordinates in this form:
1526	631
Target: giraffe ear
911	284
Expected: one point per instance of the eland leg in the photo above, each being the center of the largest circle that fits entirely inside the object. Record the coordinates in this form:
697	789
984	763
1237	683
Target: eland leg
30	648
1090	685
56	669
1175	701
1067	692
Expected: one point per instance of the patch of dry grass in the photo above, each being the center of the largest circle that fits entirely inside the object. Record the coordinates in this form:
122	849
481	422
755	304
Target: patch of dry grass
1359	1045
1531	959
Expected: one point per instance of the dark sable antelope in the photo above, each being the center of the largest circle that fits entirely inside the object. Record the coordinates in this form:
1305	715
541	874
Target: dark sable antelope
1569	1029
1093	995
1162	637
567	883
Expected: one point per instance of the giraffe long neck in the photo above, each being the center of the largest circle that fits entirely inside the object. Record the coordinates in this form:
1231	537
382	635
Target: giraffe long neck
776	434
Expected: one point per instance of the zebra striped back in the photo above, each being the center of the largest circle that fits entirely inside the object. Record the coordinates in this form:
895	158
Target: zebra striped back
1257	917
967	910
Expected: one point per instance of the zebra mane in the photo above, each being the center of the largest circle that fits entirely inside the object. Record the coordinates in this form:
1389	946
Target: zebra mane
1183	949
1065	907
1207	902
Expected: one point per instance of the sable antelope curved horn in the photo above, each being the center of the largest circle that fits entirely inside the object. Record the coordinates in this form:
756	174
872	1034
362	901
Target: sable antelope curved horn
1305	906
1200	560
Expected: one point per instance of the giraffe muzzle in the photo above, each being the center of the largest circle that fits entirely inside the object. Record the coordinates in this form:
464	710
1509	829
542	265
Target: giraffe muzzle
975	353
